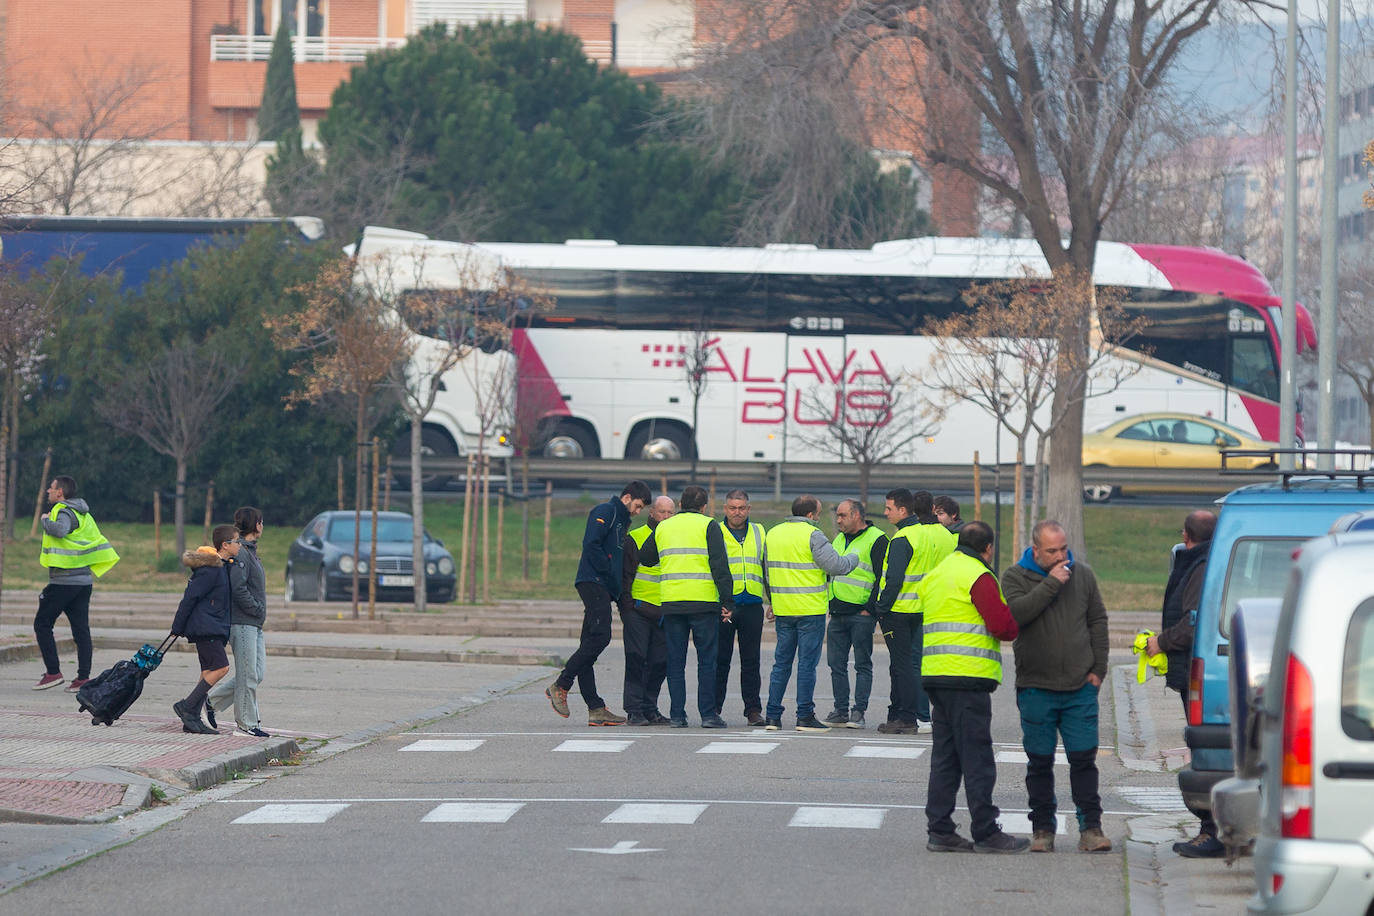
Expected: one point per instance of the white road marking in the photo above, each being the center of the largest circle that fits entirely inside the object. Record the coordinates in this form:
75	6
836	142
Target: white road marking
472	813
624	847
1020	757
290	814
436	744
1153	798
652	813
1020	823
593	746
888	753
738	747
860	818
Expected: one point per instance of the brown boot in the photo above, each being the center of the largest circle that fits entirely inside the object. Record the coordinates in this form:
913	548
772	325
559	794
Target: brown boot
1094	840
603	716
1042	841
558	697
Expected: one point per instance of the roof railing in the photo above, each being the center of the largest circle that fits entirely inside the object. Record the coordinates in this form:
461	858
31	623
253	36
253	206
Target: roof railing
1355	464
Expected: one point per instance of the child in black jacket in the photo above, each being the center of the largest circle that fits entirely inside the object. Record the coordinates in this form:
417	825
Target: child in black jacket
203	618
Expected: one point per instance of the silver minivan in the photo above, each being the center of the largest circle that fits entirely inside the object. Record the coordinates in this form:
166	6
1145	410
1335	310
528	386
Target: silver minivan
1315	852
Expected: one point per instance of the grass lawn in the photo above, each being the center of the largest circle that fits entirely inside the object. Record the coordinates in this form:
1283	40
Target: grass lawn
1128	547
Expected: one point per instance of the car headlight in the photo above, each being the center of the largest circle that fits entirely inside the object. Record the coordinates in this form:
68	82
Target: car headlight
362	567
446	566
345	564
431	567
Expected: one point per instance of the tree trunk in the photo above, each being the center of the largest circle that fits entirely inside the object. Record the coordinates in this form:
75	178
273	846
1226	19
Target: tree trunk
12	461
696	408
4	483
357	495
179	507
1037	487
1018	515
417	512
525	517
1064	500
865	473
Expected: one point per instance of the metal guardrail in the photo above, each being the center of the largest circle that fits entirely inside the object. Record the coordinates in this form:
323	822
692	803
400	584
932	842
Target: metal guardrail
796	477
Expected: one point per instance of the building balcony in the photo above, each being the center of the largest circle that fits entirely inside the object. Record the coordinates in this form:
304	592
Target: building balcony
306	49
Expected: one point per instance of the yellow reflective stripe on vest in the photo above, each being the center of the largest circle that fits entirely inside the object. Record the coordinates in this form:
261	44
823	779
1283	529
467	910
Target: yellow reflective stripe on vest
956	639
795	583
84	547
855	586
683	560
746	561
645	586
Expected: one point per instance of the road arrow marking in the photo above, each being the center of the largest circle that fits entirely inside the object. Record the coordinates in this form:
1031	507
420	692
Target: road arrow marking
622	848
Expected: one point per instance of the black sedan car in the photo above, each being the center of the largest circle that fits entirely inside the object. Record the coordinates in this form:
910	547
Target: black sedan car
319	565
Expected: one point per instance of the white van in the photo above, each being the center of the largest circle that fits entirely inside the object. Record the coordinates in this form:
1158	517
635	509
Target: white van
1315	852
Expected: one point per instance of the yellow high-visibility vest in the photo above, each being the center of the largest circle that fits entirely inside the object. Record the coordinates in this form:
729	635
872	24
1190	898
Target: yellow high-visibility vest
746	558
684	566
795	583
645	587
956	639
82	547
929	545
854	587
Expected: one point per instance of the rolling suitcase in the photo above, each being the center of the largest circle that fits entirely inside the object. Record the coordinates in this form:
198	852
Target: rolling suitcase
109	695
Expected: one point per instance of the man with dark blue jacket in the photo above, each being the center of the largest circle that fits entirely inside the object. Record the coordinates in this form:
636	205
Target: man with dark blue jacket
598	584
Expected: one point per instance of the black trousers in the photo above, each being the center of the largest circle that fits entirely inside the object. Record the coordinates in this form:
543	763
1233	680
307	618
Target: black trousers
75	602
747	625
962	751
902	634
596	636
646	662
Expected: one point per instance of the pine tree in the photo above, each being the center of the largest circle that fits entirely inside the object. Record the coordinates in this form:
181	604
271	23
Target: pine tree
279	111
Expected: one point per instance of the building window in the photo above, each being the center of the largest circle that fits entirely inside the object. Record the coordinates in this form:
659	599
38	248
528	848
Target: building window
303	17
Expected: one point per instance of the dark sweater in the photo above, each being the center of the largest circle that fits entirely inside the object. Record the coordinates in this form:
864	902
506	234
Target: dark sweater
603	545
1063	635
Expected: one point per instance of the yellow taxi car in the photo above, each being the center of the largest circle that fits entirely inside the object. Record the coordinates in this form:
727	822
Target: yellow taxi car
1166	440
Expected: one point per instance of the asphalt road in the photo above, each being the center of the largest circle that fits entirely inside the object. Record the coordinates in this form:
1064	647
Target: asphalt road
507	808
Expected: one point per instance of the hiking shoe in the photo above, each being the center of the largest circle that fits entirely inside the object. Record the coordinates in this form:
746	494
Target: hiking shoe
603	716
48	680
812	724
772	725
76	684
1043	841
250	733
713	722
856	720
755	719
210	715
1002	844
948	842
897	727
558	697
837	719
636	719
1202	846
1093	840
658	718
678	723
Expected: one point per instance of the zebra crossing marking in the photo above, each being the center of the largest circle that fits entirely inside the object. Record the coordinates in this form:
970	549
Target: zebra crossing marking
738	747
1161	799
886	753
853	818
472	813
654	813
438	744
1021	823
1020	757
593	746
290	814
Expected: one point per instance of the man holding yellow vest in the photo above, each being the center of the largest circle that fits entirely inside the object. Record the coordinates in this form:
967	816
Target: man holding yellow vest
964	618
853	598
695	588
646	652
744	544
798	559
75	553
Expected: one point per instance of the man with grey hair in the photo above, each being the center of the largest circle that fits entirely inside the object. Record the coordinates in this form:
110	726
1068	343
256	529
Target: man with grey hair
1061	659
853	597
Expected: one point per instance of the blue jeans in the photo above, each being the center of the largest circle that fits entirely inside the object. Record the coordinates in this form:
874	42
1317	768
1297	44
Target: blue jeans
802	637
850	631
705	631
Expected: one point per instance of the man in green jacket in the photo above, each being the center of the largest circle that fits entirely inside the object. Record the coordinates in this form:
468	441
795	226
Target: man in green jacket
1061	659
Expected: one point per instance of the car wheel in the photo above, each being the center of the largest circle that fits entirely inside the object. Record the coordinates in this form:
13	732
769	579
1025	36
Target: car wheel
321	586
1098	493
290	586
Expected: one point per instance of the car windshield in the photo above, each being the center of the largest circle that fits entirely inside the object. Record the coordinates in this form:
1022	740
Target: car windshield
388	529
1258	569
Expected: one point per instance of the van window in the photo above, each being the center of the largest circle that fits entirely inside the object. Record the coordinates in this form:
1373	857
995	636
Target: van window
1258	569
1357	678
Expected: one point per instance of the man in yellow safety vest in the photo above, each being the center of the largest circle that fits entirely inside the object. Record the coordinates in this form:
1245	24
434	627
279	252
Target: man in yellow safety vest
641	618
799	557
76	554
965	620
853	598
744	544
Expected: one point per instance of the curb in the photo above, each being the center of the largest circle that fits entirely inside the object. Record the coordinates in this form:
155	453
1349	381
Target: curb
220	769
19	652
524	657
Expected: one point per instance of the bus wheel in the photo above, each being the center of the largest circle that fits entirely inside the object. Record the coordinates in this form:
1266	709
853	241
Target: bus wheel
434	443
659	442
571	441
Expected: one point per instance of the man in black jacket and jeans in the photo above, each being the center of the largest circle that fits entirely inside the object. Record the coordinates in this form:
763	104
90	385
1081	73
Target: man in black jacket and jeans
1175	639
598	583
